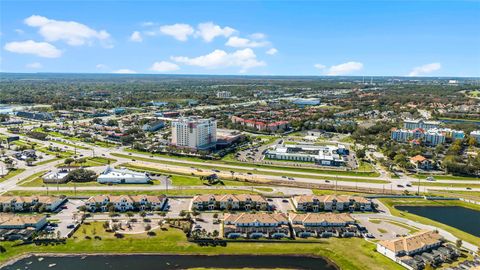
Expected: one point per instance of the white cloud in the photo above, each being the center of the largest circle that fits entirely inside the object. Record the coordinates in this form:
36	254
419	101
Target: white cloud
34	65
425	69
244	59
238	42
73	33
124	71
42	49
345	68
101	66
209	31
136	37
164	66
272	51
258	36
320	66
179	31
19	31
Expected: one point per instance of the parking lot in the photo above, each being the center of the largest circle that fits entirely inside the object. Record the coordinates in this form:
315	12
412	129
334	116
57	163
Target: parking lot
208	222
67	217
176	205
283	205
383	229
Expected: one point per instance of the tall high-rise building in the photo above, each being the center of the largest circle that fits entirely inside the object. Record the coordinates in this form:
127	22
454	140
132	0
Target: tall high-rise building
194	133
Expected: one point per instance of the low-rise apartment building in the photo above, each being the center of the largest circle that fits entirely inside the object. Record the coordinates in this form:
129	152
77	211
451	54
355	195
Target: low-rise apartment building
30	203
399	248
323	225
229	202
316	203
14	221
256	225
122	203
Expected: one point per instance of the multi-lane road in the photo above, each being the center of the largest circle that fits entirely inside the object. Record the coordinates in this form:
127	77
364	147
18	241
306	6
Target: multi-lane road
258	173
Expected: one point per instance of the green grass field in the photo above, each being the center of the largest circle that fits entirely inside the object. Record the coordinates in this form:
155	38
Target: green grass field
359	255
11	174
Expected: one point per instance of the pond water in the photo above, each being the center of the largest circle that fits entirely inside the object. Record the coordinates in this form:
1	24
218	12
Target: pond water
169	262
465	219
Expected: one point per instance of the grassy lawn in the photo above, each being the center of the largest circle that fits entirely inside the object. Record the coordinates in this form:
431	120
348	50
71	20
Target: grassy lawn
287	173
473	195
93	162
170	192
459	185
11	174
237	163
359	255
180	179
446	177
32	178
391	203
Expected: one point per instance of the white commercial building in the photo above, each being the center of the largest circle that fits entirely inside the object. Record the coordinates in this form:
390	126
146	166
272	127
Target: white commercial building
122	176
194	133
326	155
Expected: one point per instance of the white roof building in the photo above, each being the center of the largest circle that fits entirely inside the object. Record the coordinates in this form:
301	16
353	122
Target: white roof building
122	176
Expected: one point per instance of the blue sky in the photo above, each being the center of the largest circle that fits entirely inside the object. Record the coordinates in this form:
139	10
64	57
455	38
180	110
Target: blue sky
416	38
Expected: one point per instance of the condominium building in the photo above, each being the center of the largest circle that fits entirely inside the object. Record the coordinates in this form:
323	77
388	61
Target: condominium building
430	137
194	133
30	203
420	123
19	222
124	203
409	245
229	202
315	203
256	225
323	225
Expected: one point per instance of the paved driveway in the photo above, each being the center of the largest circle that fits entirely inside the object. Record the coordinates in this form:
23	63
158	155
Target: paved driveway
67	216
281	206
177	205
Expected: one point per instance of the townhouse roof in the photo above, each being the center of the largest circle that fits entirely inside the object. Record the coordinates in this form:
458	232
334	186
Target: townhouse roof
412	242
126	198
29	199
243	218
321	218
229	197
19	220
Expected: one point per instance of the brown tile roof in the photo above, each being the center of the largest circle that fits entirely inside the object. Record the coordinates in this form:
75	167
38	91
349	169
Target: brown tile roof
127	198
412	242
19	220
255	217
29	199
225	198
321	217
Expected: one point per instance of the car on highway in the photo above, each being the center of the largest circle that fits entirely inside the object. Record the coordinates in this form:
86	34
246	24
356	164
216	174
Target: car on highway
400	186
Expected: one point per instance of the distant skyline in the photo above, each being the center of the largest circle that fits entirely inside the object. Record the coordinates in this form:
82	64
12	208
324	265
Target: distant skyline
359	38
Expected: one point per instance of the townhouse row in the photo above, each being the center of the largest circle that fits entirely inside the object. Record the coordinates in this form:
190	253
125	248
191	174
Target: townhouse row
30	203
122	203
280	225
